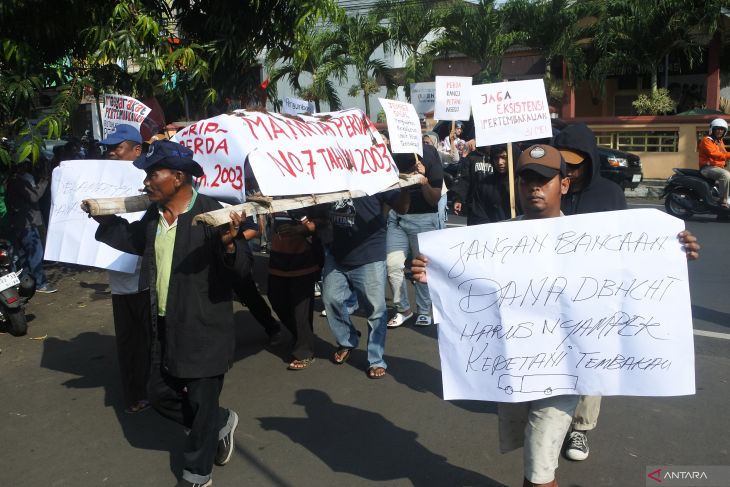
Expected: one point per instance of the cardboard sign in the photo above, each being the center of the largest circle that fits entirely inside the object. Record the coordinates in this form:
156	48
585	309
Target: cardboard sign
423	97
294	106
70	230
330	152
218	147
453	98
404	127
122	109
569	305
510	112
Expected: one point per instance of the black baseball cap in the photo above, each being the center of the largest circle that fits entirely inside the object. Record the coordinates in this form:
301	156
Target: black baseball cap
170	155
542	159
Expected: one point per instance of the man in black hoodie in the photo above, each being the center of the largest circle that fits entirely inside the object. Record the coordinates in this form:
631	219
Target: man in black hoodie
589	192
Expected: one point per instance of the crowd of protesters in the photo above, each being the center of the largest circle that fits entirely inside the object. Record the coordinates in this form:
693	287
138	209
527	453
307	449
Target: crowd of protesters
173	316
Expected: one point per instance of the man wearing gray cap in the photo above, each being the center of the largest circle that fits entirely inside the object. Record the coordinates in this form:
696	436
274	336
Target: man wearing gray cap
188	270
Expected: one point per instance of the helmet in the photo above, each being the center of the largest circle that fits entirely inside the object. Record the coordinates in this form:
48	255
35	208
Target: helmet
718	123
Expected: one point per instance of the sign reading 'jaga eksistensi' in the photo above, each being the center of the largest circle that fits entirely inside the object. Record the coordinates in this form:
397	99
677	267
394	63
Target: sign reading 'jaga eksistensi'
586	304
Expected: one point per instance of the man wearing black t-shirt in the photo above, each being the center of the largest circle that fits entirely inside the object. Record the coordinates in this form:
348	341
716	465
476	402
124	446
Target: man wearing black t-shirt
403	230
356	262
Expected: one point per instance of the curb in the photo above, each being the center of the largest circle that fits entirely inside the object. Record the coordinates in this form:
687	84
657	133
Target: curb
649	188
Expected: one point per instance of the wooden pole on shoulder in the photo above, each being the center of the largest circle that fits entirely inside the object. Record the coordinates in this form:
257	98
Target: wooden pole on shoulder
511	170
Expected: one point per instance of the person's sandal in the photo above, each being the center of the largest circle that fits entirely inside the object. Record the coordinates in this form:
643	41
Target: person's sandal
138	406
341	355
300	364
399	319
376	372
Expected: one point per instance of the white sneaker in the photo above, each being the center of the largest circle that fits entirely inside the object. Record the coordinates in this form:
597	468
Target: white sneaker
323	313
317	290
399	319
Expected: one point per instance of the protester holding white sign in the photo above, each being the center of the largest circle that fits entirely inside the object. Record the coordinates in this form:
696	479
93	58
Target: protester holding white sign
404	127
295	106
510	112
453	98
542	310
70	232
329	152
220	150
423	97
120	109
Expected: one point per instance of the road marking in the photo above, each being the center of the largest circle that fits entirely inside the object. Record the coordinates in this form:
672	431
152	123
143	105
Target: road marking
712	334
647	204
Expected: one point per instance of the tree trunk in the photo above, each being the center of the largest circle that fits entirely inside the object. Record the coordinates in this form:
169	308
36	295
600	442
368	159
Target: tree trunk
367	102
316	105
654	79
548	71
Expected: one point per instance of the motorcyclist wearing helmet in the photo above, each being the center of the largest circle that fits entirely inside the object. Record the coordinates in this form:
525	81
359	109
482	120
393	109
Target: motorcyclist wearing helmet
713	158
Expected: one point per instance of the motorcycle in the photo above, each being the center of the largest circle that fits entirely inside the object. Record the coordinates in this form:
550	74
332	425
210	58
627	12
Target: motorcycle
15	291
687	192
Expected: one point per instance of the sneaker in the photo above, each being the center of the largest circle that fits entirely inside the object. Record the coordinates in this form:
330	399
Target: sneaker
423	320
46	289
226	444
264	249
577	446
323	313
187	483
399	319
317	290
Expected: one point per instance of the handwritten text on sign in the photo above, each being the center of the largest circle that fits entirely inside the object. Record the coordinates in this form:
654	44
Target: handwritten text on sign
453	98
123	109
510	112
570	305
218	147
404	127
70	230
330	152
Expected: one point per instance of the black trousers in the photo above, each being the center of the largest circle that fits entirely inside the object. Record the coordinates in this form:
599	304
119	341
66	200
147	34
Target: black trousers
132	328
250	296
293	301
192	403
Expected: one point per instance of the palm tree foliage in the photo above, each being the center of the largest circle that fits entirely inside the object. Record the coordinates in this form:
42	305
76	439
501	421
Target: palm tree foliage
356	41
409	26
315	56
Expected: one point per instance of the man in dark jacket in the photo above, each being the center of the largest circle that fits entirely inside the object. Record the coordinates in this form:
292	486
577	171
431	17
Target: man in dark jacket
589	193
484	188
25	220
188	270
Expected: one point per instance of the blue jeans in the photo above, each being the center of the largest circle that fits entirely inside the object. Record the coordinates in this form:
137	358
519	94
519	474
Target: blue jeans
368	281
402	236
30	255
443	216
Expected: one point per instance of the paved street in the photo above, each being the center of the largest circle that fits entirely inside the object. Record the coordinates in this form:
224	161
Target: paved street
62	419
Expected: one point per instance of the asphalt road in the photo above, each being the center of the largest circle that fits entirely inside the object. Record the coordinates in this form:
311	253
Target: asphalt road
62	421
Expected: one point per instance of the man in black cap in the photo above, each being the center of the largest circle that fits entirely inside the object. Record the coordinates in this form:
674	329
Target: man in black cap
188	270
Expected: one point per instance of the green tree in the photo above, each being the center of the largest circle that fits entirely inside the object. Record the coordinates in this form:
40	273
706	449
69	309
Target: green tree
480	32
637	36
358	37
409	27
314	54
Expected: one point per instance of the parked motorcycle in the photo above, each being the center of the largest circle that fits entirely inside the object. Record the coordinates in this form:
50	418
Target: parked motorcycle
15	291
687	192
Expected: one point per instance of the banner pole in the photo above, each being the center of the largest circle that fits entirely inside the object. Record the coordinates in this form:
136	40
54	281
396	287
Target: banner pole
510	167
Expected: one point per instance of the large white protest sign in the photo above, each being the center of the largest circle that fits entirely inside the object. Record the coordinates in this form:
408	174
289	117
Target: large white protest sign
329	152
510	112
294	106
220	150
123	109
453	100
404	127
587	304
423	97
70	230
